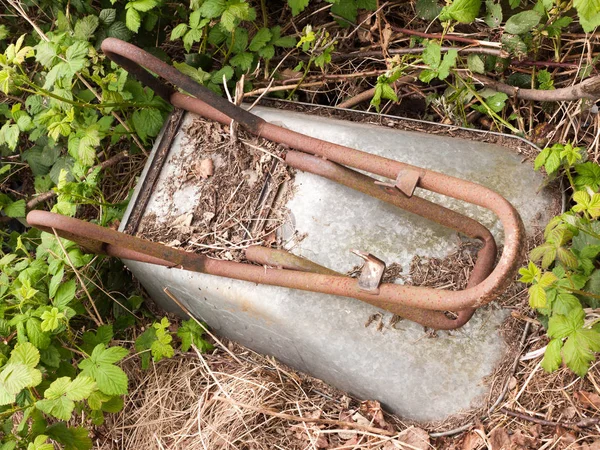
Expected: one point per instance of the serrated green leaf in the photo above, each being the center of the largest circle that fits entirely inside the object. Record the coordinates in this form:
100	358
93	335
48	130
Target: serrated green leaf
588	174
212	8
147	122
561	326
190	333
427	9
553	162
242	60
142	5
493	17
297	6
85	27
447	63
576	355
35	334
260	39
15	209
65	293
537	296
178	31
72	438
522	22
552	356
25	353
80	388
589	13
133	20
475	63
464	11
51	319
108	16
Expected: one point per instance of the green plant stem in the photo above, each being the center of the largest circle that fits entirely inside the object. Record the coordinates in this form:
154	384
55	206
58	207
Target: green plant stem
569	176
580	292
304	75
263	8
490	111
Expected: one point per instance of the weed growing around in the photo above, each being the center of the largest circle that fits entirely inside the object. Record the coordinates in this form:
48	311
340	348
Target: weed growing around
76	130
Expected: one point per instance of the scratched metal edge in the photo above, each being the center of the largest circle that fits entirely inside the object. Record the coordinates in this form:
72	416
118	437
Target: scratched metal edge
155	165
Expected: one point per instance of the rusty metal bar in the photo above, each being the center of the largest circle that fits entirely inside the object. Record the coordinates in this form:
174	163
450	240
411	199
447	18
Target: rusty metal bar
421	304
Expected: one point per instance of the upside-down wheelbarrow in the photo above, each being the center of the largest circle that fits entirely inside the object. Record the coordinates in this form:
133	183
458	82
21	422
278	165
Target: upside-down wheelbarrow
426	306
301	310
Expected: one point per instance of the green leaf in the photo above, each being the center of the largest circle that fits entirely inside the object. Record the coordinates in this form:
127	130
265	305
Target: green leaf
242	60
493	16
142	5
561	326
537	296
39	443
589	13
51	319
178	31
563	303
119	30
577	354
111	380
522	22
25	353
217	76
497	101
72	438
15	209
190	333
147	122
464	11
447	63
133	20
35	334
297	6
427	9
143	344
475	64
552	357
348	9
212	8
65	293
553	162
432	55
85	28
108	16
260	39
588	174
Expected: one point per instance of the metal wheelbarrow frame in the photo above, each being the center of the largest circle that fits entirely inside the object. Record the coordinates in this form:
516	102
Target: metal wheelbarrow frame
423	305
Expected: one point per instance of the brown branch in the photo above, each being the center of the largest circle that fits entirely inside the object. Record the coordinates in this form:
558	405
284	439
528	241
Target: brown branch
589	89
446	37
583	423
339	423
368	94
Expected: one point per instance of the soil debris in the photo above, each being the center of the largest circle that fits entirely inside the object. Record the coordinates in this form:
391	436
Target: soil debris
236	185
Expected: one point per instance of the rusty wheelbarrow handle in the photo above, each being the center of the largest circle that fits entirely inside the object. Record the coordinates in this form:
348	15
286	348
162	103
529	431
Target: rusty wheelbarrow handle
421	304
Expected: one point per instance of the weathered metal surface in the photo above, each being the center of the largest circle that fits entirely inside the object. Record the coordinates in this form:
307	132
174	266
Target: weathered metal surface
398	299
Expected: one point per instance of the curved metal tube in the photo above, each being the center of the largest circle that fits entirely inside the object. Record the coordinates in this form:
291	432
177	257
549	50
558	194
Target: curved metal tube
421	304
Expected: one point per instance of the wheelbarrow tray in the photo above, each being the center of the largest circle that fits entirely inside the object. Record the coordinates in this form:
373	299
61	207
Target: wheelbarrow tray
412	374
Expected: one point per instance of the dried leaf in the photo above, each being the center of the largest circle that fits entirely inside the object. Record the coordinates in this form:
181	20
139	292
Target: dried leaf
520	441
593	446
322	441
346	416
499	439
472	441
372	409
414	438
205	168
588	399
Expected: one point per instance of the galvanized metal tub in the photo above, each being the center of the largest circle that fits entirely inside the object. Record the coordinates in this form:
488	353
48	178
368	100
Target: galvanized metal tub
412	374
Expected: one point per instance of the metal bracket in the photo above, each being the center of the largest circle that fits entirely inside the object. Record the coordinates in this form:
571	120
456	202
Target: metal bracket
406	181
371	272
